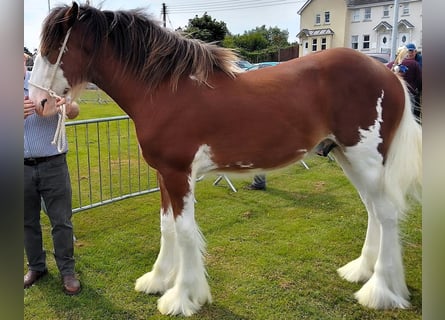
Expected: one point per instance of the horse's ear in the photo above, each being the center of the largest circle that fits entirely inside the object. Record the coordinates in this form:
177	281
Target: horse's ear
72	14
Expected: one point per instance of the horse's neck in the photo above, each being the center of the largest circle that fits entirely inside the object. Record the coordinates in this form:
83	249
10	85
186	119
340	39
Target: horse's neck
123	90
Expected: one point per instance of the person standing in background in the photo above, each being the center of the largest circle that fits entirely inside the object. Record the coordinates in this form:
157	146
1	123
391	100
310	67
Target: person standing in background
411	72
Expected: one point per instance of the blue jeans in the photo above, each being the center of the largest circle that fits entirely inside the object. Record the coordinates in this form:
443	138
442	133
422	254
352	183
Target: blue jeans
49	181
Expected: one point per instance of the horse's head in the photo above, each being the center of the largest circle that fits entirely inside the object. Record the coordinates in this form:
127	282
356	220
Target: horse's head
60	65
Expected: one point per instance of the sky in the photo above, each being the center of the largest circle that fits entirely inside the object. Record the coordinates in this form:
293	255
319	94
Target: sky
239	15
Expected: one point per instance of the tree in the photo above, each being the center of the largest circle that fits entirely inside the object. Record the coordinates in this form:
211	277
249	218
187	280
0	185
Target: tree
258	44
206	29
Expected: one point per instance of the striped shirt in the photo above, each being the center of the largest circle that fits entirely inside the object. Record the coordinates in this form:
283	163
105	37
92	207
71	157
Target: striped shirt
39	132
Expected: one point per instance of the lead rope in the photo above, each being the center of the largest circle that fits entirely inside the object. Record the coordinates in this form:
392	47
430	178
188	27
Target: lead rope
59	136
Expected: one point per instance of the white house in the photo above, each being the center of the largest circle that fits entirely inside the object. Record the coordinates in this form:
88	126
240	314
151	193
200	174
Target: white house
365	25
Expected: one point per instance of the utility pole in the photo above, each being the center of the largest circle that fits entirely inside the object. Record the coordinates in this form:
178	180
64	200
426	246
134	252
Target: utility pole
395	30
164	14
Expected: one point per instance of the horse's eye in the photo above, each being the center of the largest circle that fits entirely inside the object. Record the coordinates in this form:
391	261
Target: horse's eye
65	91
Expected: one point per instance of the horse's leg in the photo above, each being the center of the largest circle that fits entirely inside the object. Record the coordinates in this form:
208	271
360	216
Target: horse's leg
386	286
190	290
361	269
164	270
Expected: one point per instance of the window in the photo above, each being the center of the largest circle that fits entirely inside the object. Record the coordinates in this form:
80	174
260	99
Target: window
366	41
323	44
355	15
327	17
386	11
354	42
314	44
405	8
317	18
367	14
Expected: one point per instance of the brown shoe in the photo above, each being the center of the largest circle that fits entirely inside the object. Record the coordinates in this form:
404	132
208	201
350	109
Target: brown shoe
71	286
32	276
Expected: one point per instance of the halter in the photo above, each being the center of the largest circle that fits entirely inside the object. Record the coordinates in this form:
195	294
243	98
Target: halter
59	135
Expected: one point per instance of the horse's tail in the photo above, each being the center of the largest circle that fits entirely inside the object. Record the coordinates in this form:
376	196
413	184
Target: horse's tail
403	167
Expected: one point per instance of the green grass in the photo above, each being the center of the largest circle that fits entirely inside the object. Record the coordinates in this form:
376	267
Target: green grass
271	255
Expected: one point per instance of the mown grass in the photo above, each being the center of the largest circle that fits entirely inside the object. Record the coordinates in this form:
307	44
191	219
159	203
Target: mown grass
271	255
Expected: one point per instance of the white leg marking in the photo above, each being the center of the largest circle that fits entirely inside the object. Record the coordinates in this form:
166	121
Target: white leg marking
190	290
361	269
164	270
381	258
386	288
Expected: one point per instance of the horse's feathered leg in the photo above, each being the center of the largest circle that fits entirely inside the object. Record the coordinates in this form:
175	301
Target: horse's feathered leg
190	290
380	262
179	271
386	288
164	270
362	268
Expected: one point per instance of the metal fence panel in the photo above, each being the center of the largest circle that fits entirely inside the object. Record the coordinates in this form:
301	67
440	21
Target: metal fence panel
105	162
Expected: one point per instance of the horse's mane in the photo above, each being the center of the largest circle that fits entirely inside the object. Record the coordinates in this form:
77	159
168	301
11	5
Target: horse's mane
151	53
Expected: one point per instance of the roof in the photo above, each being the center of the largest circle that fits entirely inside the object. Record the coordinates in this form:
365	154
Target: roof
353	3
384	25
406	23
315	32
387	26
304	7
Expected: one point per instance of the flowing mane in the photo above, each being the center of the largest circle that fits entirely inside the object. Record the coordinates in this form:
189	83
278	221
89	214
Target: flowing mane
148	51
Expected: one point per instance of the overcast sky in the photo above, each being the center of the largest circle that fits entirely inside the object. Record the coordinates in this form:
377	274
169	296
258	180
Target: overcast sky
239	15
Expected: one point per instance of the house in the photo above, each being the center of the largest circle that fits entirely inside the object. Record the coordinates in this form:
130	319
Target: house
365	25
322	24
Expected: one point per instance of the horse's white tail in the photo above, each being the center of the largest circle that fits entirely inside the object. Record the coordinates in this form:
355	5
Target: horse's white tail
403	167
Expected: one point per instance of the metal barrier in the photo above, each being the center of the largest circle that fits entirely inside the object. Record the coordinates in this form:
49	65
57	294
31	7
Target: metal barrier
105	162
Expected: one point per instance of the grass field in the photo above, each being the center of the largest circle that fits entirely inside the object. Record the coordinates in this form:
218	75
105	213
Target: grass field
271	255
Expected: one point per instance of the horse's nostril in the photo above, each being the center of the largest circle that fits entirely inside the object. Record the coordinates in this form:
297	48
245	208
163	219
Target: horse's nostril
42	103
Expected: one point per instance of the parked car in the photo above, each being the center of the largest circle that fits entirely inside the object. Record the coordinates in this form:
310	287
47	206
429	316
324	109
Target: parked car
382	57
243	64
261	65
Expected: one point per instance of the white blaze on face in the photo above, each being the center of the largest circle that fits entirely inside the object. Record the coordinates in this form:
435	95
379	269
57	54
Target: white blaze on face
43	76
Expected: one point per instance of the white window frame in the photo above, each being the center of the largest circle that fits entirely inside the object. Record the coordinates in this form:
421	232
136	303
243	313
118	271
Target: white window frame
356	15
327	17
367	16
366	45
314	44
354	42
317	19
405	9
324	43
385	11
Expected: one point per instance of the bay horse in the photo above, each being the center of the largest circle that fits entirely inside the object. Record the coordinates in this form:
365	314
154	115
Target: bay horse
195	112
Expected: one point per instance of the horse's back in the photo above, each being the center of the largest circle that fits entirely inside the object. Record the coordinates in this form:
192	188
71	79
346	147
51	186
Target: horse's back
354	87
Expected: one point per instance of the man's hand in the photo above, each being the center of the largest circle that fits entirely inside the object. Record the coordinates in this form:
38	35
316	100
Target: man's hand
52	106
29	107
